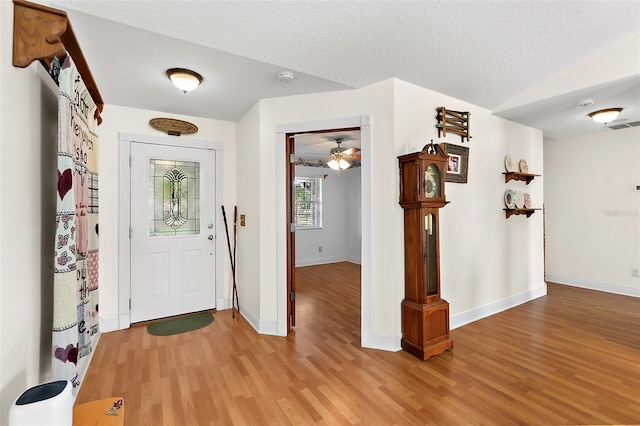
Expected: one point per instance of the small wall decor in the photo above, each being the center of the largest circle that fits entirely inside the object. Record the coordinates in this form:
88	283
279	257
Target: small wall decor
458	163
172	126
517	202
454	122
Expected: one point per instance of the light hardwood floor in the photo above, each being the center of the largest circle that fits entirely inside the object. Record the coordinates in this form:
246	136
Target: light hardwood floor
572	357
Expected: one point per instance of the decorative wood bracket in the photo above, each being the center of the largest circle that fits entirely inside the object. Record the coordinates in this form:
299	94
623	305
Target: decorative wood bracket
42	33
510	212
526	177
454	122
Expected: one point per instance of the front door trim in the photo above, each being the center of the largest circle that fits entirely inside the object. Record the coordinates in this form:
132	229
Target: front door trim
124	216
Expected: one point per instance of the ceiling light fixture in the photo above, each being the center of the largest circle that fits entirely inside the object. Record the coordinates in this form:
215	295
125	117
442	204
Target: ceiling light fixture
339	160
338	163
605	115
184	79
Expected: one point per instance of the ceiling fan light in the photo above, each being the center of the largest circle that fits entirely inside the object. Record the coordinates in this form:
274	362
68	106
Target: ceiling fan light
339	160
605	115
184	79
338	164
344	164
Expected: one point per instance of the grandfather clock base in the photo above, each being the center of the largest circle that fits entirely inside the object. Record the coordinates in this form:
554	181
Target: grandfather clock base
425	328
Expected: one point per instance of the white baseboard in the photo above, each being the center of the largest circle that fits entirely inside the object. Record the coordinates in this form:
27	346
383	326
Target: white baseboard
124	321
261	326
111	324
223	303
326	260
355	260
593	285
496	307
317	261
394	344
251	318
383	343
269	327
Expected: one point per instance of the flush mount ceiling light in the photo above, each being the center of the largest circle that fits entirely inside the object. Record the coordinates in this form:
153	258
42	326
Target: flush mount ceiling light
184	79
605	115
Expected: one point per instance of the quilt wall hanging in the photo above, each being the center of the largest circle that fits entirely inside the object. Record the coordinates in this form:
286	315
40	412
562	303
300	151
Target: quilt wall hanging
75	310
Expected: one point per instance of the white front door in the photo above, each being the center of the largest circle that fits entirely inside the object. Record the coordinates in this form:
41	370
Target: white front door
172	230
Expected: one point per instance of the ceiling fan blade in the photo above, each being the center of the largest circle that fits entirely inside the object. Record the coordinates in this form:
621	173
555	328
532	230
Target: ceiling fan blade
350	151
356	156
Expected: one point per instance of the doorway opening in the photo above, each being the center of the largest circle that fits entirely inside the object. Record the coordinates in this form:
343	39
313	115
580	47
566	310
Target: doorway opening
324	239
283	224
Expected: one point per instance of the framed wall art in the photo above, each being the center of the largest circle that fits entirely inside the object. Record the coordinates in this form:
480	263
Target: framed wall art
458	164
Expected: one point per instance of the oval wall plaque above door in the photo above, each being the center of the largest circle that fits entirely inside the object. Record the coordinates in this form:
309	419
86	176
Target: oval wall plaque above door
172	126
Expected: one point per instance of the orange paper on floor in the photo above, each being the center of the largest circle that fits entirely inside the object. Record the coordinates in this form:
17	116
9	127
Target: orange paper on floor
94	413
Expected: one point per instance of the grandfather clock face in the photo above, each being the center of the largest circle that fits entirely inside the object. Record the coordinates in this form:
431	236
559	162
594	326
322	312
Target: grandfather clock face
432	182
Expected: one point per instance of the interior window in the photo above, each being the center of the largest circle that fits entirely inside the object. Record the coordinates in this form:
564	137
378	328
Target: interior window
308	202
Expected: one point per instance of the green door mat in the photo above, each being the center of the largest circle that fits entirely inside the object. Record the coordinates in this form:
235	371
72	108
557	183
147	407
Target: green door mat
180	325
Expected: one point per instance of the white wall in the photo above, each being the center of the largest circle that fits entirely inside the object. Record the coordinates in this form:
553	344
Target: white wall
248	258
340	220
593	219
28	183
354	215
118	119
265	159
489	262
486	259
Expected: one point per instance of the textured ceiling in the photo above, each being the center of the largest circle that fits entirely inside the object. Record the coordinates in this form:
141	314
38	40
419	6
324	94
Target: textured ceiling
319	145
482	52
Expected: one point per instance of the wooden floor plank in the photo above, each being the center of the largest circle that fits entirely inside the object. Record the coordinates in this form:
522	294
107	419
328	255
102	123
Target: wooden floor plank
572	357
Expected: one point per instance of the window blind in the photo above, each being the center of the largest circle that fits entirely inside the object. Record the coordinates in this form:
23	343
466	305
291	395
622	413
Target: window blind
308	204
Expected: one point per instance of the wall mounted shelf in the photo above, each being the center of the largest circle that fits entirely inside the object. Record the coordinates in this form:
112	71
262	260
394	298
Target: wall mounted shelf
525	177
40	33
511	212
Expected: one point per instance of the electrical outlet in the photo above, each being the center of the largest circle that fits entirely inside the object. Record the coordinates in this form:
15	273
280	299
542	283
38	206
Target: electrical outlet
319	249
635	273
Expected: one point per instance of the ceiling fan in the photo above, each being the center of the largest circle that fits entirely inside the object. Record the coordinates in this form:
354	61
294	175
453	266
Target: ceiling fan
340	158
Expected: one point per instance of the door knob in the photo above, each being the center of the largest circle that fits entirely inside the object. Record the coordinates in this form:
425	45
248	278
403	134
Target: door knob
210	237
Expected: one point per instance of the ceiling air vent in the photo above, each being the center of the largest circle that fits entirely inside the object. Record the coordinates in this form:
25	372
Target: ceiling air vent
624	125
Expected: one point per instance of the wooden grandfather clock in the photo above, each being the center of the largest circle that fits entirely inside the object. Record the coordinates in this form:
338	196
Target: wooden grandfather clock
425	315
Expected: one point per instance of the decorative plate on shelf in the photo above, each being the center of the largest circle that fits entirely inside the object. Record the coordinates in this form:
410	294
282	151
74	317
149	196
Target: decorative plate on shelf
523	166
519	199
509	199
509	164
527	200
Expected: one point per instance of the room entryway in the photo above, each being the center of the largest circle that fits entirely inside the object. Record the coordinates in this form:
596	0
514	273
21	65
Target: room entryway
286	258
173	230
319	195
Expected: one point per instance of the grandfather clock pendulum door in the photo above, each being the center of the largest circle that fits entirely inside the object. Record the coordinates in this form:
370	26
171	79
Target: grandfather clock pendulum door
425	315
